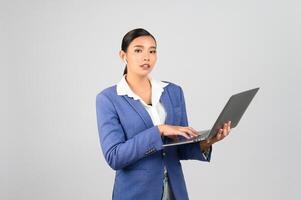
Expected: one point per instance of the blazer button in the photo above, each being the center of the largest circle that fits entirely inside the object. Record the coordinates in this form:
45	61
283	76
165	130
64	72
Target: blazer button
163	153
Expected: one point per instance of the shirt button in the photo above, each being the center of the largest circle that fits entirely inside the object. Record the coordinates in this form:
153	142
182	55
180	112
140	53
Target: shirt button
163	153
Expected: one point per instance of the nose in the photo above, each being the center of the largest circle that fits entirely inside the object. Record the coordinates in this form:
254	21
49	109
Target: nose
146	57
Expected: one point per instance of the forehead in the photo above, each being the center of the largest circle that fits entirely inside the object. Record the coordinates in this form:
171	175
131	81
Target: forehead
143	41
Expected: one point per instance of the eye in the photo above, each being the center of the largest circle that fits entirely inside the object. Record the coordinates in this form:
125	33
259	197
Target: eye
138	50
153	51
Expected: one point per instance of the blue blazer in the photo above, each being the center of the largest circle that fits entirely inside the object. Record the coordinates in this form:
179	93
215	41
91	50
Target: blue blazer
132	145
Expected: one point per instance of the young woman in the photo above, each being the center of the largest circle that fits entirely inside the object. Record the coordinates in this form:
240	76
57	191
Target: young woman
136	117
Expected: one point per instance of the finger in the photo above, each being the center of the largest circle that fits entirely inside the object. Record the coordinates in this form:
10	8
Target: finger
218	135
224	128
184	135
195	131
188	131
222	134
191	133
225	131
228	128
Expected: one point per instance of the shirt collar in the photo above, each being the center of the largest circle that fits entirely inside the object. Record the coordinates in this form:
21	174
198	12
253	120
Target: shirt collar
157	89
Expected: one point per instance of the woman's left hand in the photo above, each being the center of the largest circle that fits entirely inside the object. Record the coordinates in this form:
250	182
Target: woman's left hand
222	133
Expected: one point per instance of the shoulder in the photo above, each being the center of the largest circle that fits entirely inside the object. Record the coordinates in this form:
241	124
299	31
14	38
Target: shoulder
175	92
109	93
173	87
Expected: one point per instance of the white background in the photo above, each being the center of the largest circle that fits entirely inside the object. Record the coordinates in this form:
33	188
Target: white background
57	55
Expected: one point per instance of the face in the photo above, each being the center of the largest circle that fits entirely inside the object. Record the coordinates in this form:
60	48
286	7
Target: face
141	55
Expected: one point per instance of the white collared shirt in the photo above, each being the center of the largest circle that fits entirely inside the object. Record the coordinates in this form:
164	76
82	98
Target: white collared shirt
156	111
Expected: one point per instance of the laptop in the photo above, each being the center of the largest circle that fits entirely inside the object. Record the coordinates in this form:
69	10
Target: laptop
233	111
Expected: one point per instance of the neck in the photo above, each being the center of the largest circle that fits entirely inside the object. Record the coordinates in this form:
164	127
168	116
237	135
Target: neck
137	82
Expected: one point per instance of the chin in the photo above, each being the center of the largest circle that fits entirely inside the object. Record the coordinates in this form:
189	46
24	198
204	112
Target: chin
144	73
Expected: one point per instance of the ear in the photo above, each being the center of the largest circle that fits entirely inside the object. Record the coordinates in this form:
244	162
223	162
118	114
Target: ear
122	55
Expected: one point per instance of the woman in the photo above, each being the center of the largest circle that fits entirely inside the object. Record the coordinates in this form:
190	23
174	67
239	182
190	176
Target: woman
136	117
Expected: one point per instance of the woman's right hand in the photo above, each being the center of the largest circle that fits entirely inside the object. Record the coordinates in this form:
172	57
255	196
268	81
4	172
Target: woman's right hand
173	131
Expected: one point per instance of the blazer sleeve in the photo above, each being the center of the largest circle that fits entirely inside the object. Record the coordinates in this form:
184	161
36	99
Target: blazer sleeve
118	151
190	151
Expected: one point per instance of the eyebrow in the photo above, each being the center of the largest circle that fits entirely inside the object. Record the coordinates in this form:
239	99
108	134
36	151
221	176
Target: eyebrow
143	46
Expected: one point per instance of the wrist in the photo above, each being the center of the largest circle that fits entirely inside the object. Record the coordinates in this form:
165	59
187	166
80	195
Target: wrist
204	146
161	129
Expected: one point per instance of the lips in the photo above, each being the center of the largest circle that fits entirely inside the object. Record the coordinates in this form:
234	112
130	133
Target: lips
145	66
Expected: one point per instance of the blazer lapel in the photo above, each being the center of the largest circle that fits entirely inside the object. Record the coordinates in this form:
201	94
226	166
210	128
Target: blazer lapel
165	100
138	107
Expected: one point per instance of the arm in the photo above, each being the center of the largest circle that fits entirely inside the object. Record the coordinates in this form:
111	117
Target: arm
192	151
118	151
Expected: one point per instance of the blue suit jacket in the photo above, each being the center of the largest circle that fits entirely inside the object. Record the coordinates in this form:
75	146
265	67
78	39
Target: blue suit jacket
132	145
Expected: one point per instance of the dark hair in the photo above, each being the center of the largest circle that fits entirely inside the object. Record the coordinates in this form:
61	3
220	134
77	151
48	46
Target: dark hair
130	36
